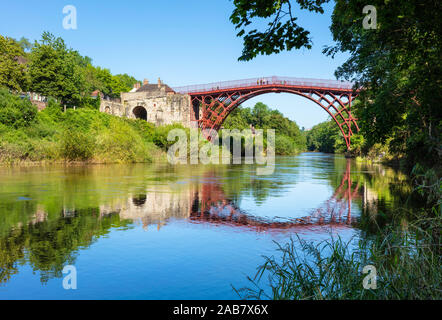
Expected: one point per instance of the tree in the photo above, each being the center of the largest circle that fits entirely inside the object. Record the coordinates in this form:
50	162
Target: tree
262	117
127	80
398	68
111	85
282	33
55	71
25	44
13	68
324	137
14	111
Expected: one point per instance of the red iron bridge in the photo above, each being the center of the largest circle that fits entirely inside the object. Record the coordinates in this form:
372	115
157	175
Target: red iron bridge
213	102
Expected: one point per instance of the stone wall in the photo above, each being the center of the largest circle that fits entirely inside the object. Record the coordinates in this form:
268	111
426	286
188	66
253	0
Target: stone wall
161	108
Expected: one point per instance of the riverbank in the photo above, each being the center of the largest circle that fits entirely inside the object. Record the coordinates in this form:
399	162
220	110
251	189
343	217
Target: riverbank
82	136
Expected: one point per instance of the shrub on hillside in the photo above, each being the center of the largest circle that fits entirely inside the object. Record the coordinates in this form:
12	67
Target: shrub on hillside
161	133
76	145
284	145
121	143
15	111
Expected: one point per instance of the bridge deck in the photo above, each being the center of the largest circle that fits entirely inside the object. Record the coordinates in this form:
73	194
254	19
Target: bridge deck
265	81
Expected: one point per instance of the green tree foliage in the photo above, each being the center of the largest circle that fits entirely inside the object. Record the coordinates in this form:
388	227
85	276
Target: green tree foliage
282	32
75	135
262	117
14	111
126	80
326	137
55	71
398	66
12	70
25	44
102	79
323	137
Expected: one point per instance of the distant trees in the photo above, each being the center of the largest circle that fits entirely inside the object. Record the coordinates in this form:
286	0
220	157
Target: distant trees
289	138
25	44
50	68
326	137
323	136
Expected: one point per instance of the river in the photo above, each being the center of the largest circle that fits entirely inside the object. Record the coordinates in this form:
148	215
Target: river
156	231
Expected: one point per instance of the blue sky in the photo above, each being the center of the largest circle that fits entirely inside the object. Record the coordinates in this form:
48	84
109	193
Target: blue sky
183	42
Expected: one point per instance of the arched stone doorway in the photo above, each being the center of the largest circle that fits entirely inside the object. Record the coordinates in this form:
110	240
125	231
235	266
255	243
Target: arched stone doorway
140	113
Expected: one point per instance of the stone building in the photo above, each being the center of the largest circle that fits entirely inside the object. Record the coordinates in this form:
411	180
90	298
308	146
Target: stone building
156	103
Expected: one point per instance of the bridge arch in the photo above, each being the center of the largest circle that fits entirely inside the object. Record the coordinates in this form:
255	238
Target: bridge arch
328	102
212	103
140	112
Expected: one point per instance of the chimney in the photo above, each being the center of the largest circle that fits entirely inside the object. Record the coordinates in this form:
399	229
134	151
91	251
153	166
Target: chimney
145	81
159	82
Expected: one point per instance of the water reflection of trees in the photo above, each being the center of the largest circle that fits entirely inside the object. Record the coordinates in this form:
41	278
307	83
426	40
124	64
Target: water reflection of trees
51	244
71	208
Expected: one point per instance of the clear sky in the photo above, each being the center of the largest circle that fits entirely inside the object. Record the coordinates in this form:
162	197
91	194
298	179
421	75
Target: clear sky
183	42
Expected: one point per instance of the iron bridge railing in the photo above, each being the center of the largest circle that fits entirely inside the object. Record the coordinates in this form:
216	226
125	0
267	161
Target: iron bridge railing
254	82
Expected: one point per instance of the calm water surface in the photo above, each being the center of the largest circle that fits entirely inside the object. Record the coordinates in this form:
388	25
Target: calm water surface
174	232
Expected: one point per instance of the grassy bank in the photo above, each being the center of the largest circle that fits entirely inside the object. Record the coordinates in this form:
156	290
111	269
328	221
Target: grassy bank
82	135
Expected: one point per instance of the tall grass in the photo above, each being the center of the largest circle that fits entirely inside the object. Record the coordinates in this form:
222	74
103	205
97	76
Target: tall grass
407	258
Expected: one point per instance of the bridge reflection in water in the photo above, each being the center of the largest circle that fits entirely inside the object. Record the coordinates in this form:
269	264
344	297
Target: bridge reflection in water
210	205
203	200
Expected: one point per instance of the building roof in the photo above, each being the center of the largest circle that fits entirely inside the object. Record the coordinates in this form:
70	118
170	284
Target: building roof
96	93
154	87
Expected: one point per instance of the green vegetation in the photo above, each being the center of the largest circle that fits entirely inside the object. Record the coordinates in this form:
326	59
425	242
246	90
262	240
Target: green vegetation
396	65
76	135
289	139
68	234
13	74
50	68
407	261
397	68
326	137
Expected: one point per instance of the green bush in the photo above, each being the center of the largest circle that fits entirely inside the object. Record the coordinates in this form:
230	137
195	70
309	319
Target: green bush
76	145
121	143
284	145
160	135
15	111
